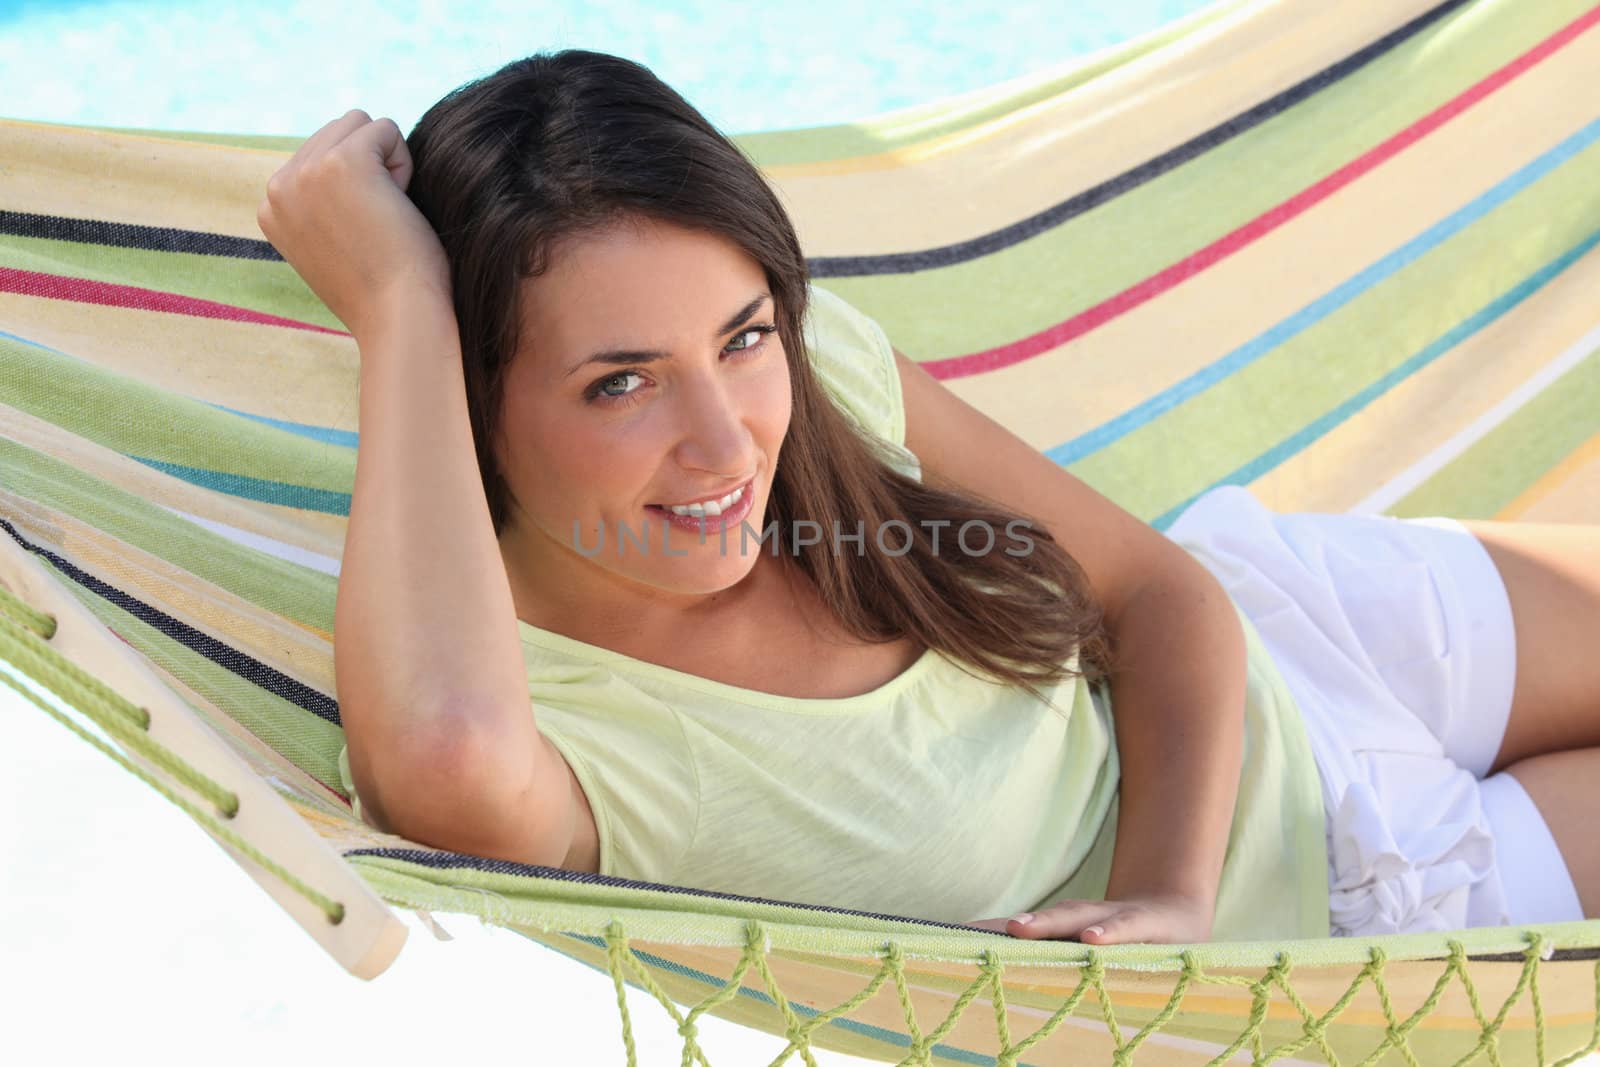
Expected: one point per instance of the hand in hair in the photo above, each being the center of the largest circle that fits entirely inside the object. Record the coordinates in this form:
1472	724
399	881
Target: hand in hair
1171	919
338	213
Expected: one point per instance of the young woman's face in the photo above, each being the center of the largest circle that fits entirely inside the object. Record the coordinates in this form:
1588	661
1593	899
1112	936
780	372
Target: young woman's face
649	375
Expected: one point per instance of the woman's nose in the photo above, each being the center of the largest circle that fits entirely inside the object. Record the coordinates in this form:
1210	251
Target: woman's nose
713	436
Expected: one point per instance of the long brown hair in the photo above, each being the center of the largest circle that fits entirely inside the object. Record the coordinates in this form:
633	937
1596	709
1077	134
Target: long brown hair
556	145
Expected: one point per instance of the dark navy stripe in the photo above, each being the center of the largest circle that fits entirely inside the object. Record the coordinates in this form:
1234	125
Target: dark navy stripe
1033	226
247	667
127	235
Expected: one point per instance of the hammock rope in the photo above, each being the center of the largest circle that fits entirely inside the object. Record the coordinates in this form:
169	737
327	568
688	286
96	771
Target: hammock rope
23	631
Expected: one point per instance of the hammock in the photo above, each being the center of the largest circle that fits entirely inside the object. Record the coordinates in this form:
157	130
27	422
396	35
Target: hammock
1342	254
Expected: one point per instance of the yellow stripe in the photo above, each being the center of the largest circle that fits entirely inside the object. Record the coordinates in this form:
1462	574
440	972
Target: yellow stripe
62	128
191	185
300	651
179	354
1419	415
1553	480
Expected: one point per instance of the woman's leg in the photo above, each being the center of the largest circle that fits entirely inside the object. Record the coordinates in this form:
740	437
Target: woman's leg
1565	787
1552	576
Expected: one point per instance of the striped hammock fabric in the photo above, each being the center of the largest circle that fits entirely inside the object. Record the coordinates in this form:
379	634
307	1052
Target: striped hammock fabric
1342	254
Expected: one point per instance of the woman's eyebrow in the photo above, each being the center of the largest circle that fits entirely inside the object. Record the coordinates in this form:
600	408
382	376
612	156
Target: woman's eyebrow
621	356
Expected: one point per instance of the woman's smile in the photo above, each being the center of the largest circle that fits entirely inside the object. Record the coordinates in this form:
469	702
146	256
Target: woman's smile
708	515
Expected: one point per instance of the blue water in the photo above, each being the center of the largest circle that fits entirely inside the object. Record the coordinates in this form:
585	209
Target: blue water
288	67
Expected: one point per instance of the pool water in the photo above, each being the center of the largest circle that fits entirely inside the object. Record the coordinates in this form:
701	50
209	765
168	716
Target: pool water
288	67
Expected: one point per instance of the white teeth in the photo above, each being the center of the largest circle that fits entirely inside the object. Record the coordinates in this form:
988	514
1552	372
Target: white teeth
712	508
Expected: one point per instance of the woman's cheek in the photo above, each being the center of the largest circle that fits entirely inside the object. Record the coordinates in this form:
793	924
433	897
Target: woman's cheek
779	402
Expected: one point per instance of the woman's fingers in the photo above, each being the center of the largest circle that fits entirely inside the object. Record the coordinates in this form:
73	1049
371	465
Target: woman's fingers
1066	919
310	149
1169	919
330	134
1121	928
384	140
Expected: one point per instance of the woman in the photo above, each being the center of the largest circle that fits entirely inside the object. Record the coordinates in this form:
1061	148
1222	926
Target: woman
590	326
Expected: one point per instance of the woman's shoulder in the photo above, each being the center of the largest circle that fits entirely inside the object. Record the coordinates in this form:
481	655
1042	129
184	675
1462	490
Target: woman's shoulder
854	361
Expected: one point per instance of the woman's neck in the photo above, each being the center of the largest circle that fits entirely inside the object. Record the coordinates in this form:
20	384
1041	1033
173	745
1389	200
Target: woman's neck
576	597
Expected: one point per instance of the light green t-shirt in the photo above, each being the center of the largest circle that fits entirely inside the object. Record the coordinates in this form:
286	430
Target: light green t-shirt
938	795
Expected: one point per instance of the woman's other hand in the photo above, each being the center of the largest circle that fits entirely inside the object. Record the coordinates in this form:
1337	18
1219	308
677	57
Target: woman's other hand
338	213
1165	920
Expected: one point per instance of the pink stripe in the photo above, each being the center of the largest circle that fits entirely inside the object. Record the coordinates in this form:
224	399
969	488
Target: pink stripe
1080	324
60	287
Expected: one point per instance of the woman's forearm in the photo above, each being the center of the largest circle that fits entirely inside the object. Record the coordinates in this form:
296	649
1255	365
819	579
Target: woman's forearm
427	657
1177	700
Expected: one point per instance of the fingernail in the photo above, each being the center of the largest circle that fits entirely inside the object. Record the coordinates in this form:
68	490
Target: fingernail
1095	930
1025	918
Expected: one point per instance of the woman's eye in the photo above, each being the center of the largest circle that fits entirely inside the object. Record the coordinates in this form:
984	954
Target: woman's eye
601	388
612	389
758	331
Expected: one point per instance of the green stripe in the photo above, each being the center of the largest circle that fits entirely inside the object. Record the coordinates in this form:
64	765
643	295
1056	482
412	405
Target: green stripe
307	740
554	904
1196	444
1499	467
268	286
998	298
164	428
288	589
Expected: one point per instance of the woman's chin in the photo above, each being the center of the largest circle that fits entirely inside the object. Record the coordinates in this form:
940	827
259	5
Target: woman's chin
702	570
670	557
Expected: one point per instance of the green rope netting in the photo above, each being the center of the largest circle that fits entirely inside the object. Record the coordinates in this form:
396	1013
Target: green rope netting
24	633
991	981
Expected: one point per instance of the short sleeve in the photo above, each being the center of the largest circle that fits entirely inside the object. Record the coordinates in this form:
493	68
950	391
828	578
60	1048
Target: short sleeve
855	362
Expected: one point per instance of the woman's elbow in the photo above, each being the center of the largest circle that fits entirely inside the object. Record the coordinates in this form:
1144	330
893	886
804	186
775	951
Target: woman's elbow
465	788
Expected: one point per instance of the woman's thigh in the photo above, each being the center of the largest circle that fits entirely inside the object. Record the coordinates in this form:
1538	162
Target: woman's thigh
1565	787
1552	576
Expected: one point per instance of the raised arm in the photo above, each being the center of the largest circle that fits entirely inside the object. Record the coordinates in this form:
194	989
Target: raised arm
1177	691
443	744
441	731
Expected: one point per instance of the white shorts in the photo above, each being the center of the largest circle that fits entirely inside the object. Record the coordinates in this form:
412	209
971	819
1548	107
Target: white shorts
1395	637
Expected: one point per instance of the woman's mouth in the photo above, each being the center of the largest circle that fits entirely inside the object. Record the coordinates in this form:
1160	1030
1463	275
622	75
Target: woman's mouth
708	515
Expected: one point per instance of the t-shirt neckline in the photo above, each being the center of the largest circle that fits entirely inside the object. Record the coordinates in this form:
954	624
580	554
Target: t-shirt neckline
549	639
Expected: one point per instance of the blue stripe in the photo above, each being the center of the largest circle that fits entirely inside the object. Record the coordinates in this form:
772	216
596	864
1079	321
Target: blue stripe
1312	432
31	344
327	435
1108	433
262	489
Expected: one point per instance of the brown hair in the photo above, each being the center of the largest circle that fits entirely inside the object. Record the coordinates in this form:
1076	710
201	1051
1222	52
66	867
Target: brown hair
556	145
